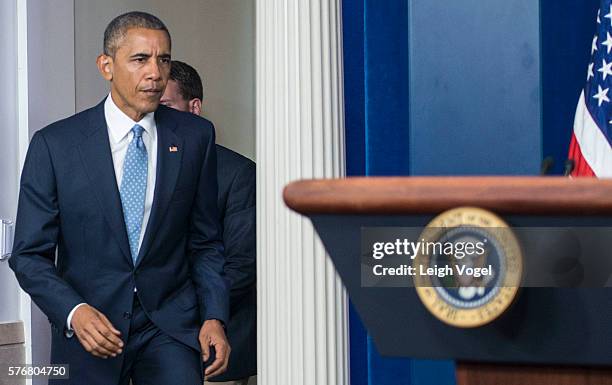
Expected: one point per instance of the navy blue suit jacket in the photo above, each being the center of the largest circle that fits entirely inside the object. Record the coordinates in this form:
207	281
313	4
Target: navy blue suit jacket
69	200
236	203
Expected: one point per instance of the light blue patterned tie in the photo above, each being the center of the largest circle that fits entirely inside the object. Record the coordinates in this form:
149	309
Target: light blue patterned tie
133	188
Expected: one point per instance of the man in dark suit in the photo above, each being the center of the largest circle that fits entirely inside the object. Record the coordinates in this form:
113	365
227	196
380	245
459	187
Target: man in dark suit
236	203
126	194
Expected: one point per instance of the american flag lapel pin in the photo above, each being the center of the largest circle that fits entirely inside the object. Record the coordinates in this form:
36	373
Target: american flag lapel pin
173	148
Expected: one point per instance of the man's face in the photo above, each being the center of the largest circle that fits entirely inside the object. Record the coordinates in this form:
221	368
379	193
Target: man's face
139	71
172	97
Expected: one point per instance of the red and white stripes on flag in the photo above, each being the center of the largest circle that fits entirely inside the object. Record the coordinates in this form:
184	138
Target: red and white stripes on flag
589	147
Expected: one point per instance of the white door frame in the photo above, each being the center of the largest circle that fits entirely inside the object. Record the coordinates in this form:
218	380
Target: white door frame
36	83
25	303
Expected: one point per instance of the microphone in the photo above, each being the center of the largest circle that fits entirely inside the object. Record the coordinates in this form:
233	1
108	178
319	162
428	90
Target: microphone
547	165
570	164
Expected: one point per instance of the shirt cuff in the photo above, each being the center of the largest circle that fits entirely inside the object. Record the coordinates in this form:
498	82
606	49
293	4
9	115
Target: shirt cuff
69	330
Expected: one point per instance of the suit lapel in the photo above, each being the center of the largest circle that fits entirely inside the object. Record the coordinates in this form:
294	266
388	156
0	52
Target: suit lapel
96	155
168	168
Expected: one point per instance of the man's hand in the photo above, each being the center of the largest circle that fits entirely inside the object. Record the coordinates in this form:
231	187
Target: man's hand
212	334
95	332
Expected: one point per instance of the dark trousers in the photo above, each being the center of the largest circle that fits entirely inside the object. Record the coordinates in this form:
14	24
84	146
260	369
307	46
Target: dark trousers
154	358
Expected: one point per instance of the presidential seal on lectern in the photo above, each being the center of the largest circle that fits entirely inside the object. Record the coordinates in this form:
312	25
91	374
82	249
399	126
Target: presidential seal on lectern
470	267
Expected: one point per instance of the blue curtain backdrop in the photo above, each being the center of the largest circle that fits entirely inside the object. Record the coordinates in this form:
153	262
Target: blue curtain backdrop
438	87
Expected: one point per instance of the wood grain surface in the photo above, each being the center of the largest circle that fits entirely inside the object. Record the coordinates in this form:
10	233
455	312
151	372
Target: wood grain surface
431	195
492	374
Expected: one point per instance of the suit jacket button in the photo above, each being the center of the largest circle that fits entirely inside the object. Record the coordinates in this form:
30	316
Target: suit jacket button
127	315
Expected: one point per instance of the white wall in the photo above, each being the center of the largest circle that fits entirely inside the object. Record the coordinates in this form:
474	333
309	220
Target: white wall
214	36
51	94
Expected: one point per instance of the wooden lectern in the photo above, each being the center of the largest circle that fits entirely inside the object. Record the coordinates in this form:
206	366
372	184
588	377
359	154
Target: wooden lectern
547	336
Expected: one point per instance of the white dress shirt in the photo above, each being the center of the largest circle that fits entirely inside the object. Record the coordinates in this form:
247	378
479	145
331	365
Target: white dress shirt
120	134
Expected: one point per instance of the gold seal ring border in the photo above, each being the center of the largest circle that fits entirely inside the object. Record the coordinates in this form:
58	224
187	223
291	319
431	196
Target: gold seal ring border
471	318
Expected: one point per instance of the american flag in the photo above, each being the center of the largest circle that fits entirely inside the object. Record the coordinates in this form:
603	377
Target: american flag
590	147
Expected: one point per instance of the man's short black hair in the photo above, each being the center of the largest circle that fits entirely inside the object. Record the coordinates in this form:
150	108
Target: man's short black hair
187	79
118	27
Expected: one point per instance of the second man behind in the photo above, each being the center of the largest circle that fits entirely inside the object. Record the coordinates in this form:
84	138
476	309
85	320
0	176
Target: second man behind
236	205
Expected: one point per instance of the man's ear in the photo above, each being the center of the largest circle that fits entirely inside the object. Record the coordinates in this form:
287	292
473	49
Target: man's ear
195	106
105	66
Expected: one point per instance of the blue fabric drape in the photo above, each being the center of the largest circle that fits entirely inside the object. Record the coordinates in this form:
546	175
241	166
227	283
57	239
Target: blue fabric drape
377	142
386	87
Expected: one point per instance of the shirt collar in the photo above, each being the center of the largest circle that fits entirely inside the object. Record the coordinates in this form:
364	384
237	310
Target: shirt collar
120	125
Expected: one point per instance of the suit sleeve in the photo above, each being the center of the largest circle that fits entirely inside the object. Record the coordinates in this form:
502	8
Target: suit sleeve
239	231
205	245
36	235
